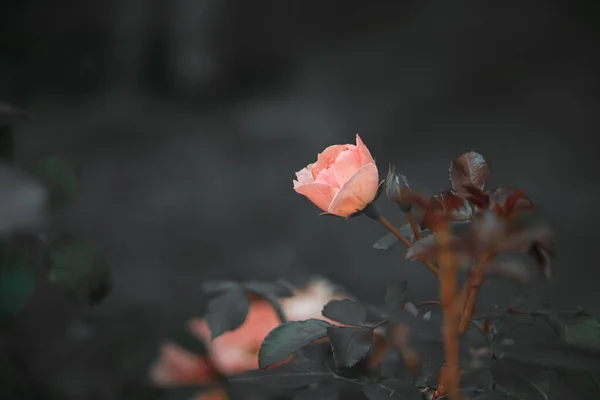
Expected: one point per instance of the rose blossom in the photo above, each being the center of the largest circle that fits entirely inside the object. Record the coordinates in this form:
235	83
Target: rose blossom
342	181
237	351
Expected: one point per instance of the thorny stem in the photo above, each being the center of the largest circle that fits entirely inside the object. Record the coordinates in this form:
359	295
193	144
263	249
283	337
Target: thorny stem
473	284
448	280
405	241
380	323
413	225
383	221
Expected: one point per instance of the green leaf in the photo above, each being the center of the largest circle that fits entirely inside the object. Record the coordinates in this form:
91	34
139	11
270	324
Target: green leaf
582	330
390	389
349	344
550	355
190	342
328	390
516	380
17	280
278	289
287	338
294	374
227	312
60	178
345	311
79	268
395	295
271	292
573	385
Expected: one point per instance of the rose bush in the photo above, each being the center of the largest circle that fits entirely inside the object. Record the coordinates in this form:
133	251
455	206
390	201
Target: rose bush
454	347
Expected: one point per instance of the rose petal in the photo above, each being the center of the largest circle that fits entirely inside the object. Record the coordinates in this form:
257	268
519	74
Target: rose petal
261	319
327	156
177	366
231	360
327	176
213	394
200	328
304	176
365	154
309	302
359	191
319	193
237	351
346	164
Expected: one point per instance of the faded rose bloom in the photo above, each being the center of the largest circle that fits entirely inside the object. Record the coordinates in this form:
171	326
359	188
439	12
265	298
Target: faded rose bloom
217	393
178	366
309	302
342	181
237	351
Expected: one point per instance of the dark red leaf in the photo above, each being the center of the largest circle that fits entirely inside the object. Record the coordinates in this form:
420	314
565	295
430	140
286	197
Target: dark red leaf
507	196
477	197
445	206
428	248
469	169
490	233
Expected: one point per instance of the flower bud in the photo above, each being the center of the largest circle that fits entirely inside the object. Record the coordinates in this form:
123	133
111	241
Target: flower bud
398	189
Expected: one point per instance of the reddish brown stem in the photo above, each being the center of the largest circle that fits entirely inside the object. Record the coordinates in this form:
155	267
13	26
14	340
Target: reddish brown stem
413	225
448	278
474	283
405	241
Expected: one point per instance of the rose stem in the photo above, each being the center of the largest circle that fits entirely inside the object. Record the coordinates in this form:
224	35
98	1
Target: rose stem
383	221
393	229
413	225
473	284
372	212
448	278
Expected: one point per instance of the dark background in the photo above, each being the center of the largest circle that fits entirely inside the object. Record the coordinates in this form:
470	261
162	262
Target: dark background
187	120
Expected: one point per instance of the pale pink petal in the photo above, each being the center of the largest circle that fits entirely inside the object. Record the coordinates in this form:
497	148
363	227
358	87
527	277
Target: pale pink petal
327	176
346	164
327	156
359	191
177	366
319	193
304	176
237	351
200	328
233	360
213	394
308	302
365	154
261	319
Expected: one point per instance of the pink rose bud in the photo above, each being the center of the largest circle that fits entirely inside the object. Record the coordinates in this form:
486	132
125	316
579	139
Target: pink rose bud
398	189
343	180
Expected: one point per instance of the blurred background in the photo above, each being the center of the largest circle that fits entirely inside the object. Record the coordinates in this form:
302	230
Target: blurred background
186	120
